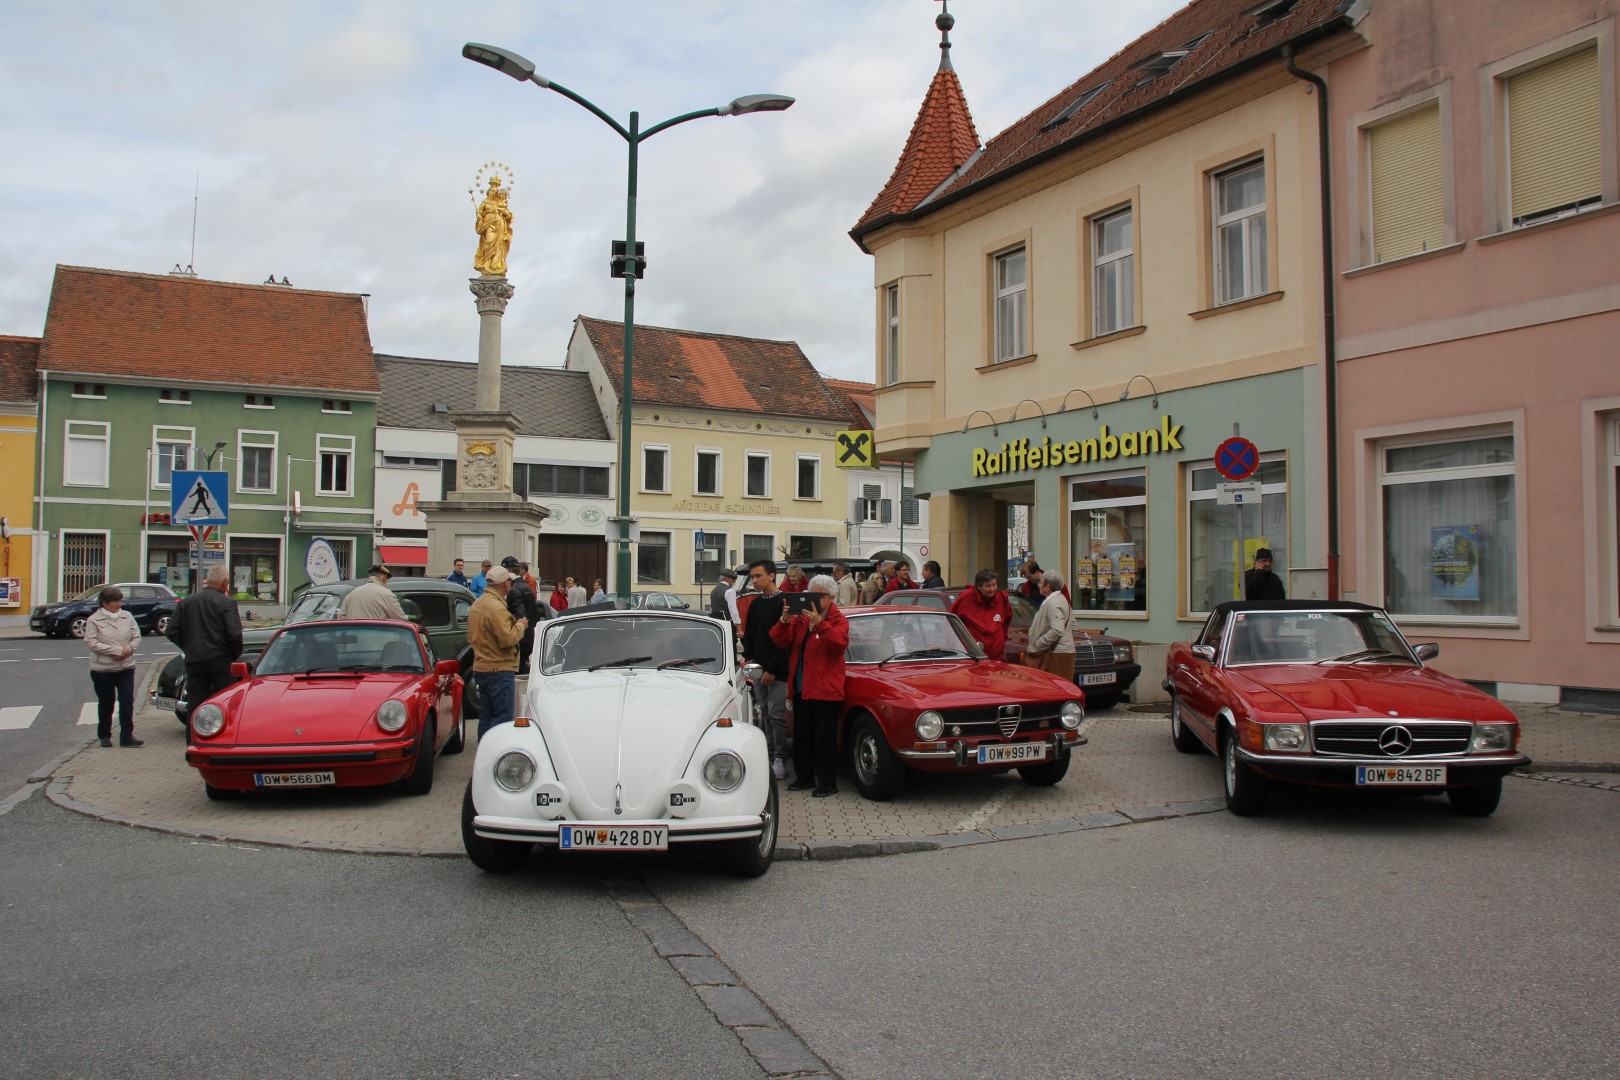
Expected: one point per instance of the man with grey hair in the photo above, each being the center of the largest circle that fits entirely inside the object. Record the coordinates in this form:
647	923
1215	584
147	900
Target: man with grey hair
208	629
1051	637
847	591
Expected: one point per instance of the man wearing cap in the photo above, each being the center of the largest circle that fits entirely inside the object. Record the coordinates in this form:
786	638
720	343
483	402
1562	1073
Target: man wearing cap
495	637
480	579
522	602
723	600
373	600
1260	583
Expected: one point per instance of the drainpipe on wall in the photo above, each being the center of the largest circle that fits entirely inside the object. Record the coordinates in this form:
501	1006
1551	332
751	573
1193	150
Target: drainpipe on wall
41	540
1330	352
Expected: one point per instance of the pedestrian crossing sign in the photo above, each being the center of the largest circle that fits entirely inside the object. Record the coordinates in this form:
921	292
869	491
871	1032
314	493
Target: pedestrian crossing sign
199	498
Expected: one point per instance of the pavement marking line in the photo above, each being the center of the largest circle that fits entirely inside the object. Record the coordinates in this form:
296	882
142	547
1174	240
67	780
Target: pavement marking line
88	714
18	797
971	822
40	659
17	717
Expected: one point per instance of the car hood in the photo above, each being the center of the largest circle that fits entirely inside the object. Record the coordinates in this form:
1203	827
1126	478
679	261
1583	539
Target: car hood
294	710
632	730
961	684
1367	691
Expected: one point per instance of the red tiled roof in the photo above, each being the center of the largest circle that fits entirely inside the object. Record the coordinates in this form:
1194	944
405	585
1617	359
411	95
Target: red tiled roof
862	402
19	368
942	138
1218	36
716	371
112	322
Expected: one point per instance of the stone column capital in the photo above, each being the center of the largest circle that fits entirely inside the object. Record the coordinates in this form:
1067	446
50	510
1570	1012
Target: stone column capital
491	293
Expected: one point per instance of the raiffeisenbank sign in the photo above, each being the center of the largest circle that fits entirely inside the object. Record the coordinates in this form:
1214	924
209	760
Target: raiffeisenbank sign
1021	455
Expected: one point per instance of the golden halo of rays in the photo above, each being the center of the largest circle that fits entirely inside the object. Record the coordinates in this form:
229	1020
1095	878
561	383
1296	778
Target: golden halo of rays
480	185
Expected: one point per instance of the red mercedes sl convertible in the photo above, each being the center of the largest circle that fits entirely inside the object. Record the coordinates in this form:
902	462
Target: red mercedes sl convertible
920	694
346	703
1331	695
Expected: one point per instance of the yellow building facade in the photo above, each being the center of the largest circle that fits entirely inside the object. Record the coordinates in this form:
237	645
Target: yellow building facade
19	436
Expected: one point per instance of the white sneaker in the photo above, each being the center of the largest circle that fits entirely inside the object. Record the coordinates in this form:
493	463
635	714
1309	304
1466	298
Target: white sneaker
778	769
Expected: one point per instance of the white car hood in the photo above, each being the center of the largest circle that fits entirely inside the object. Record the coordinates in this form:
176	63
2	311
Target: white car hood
625	735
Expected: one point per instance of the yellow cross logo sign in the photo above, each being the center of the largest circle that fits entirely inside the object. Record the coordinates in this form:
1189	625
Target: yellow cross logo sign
855	450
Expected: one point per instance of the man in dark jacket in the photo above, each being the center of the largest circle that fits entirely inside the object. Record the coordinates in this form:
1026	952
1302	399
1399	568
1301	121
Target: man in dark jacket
770	693
723	600
931	578
1260	583
523	604
208	630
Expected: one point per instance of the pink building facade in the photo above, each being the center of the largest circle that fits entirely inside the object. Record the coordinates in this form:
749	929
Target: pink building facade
1476	193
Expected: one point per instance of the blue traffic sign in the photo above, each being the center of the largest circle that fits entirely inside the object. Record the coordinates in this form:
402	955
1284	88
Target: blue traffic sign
199	498
1237	458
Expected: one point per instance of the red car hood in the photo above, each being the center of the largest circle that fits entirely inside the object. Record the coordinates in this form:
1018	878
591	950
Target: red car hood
294	711
1365	691
960	684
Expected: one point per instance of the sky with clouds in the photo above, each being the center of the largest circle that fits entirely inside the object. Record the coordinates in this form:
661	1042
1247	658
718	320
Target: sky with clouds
333	142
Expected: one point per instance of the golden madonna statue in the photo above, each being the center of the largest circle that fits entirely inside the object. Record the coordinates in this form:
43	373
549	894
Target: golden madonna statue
494	227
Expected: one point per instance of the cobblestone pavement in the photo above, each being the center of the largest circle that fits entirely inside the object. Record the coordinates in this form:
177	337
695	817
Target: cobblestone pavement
1127	772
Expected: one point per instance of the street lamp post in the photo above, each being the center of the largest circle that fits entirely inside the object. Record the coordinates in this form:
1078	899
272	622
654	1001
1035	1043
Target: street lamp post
630	265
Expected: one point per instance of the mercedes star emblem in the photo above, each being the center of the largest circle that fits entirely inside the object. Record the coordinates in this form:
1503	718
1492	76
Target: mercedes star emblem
1395	740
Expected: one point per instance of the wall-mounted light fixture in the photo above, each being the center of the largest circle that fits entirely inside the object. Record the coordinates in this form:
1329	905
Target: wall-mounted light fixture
1033	402
994	429
1089	398
1126	393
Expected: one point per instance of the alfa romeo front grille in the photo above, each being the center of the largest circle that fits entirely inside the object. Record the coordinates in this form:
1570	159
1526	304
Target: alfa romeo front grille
973	723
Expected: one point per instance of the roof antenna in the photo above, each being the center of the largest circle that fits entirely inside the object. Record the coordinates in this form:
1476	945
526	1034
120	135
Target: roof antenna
188	271
945	20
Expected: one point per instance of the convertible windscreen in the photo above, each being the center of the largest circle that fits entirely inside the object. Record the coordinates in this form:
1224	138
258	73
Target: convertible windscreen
1315	637
324	648
633	641
907	634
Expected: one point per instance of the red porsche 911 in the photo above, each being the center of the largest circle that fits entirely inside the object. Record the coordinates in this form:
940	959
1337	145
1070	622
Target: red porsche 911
346	703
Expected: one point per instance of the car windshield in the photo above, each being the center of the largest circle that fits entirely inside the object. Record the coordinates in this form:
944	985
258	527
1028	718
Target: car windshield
326	647
1315	637
313	607
906	634
633	641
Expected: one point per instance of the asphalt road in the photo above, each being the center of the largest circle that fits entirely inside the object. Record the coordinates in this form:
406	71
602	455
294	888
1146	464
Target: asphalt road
44	685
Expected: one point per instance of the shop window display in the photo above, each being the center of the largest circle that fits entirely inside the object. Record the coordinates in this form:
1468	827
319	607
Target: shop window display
1222	540
1108	534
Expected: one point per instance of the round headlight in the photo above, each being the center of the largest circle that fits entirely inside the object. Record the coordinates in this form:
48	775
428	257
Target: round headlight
1071	714
207	720
929	725
514	770
723	771
392	715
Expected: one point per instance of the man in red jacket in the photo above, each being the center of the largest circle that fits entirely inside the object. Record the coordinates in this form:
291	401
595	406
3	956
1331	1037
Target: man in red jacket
986	612
815	640
901	579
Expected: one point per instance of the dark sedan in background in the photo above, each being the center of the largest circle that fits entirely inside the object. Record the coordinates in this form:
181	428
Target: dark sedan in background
152	606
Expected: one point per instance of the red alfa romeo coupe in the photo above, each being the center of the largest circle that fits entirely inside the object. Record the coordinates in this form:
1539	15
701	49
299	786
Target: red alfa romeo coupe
347	703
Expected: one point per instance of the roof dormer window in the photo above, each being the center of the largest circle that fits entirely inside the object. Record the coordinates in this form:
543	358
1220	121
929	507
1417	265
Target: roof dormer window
170	396
1271	10
1157	64
1079	103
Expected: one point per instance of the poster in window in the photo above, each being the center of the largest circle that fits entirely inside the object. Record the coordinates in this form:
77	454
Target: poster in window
1084	575
1454	562
1125	567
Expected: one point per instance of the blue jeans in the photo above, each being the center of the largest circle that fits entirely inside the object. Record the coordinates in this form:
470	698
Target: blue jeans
497	697
108	685
770	713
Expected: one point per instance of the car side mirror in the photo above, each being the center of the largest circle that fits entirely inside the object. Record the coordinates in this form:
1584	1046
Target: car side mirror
240	670
447	667
1205	653
753	673
1427	651
462	608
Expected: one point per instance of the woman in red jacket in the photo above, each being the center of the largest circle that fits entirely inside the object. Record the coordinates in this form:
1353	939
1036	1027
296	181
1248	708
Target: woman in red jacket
559	599
815	640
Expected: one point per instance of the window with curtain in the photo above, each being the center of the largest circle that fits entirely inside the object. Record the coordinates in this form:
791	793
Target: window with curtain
1407	190
1108	532
708	473
167	459
256	467
1113	274
1240	232
758	479
1451	528
1222	540
1011	304
1555	138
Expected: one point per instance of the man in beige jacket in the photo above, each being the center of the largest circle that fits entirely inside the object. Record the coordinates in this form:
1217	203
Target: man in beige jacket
495	637
373	600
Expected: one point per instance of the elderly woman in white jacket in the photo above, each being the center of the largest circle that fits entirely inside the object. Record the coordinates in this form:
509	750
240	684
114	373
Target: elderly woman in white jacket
1051	639
113	638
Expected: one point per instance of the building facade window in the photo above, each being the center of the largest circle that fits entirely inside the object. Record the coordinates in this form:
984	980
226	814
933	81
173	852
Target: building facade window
652	559
1450	527
84	562
1108	530
872	508
256	463
910	507
1553	121
654	468
331	405
258	401
1239	196
707	479
171	452
1406	184
170	396
757	482
809	477
84	453
1011	285
334	456
89	390
708	556
1613	481
255	566
1222	540
1113	273
891	334
758	546
541	478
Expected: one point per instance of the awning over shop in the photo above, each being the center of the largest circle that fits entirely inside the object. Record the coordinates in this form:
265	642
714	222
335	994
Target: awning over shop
402	556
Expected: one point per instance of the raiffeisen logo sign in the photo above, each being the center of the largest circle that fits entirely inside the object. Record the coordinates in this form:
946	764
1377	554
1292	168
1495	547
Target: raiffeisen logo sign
1023	456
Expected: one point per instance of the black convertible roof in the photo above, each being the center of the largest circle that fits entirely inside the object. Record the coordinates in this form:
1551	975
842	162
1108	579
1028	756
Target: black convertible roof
1294	605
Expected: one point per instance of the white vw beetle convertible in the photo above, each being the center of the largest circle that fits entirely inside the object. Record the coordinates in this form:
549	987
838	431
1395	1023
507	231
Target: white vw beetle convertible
636	734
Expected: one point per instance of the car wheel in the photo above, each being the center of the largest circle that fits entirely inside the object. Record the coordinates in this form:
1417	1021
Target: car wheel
1046	773
1245	788
1180	734
469	688
878	773
751	856
76	627
1099	702
420	782
457	742
160	625
491	856
219	794
1477	800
